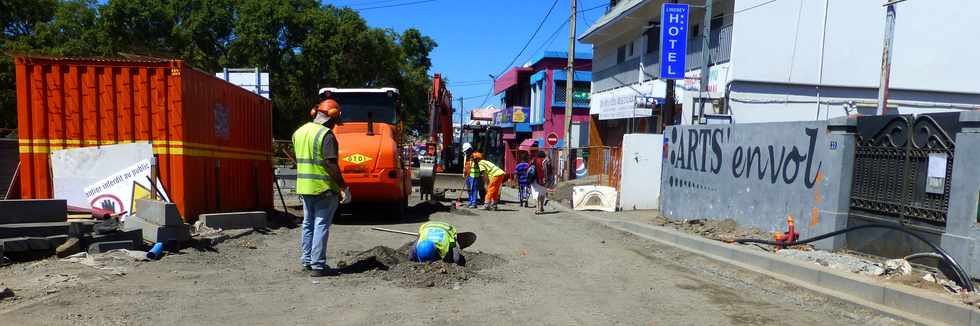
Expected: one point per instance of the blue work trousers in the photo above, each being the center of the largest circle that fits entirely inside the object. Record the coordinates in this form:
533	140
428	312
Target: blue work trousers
318	211
523	191
473	184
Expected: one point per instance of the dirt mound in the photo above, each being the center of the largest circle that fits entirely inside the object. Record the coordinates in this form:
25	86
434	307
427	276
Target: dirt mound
724	230
393	265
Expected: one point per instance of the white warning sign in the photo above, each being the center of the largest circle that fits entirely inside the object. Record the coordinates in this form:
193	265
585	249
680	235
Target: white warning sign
118	192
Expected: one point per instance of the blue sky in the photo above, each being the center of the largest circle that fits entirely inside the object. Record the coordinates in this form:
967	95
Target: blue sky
479	37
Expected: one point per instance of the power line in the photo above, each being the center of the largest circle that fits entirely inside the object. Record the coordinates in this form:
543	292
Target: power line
585	18
394	5
551	38
543	20
364	3
473	97
594	8
468	85
533	35
475	82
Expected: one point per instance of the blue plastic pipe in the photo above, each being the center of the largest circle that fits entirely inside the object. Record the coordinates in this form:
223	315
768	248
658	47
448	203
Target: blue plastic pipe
156	251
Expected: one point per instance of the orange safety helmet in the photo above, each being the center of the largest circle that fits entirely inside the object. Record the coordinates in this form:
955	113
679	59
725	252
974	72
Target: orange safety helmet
477	156
329	107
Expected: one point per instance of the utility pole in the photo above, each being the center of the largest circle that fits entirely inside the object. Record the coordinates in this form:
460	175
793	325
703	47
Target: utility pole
667	109
462	156
705	58
886	57
569	79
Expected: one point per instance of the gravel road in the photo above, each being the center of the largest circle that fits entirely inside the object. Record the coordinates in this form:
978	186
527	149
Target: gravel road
553	269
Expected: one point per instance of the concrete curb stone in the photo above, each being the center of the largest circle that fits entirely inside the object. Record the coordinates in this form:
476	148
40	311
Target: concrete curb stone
889	299
234	220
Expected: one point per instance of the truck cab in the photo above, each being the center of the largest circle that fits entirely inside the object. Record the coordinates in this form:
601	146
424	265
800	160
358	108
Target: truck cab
369	152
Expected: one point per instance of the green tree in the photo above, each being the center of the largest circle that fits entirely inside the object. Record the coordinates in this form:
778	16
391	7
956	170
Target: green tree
18	20
303	45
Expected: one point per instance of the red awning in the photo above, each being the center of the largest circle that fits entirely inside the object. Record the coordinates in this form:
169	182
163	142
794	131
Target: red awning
527	144
510	79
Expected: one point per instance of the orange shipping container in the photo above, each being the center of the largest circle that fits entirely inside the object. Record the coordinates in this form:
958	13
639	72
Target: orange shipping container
213	139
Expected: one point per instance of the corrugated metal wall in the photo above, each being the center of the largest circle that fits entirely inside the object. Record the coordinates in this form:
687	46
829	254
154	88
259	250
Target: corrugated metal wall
65	103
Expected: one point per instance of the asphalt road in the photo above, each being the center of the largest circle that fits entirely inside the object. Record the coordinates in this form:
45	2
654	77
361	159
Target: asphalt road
554	269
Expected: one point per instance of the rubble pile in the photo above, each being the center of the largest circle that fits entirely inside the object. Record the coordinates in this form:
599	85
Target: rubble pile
722	230
393	265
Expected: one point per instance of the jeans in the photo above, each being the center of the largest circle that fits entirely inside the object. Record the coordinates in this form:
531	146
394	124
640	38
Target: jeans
474	190
318	211
523	190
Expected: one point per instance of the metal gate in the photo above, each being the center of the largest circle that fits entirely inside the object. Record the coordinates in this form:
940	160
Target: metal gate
891	165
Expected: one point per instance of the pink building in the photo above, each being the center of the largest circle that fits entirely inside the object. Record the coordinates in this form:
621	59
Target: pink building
533	101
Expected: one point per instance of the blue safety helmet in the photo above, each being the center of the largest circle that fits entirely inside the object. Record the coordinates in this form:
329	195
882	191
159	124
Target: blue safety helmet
425	250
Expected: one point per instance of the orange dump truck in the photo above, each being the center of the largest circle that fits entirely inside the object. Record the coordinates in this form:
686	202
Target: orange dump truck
369	138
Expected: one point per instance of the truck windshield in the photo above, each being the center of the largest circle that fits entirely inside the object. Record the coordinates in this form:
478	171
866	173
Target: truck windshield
356	106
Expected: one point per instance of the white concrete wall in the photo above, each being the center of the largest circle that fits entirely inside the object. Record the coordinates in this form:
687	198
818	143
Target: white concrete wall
786	42
935	46
641	168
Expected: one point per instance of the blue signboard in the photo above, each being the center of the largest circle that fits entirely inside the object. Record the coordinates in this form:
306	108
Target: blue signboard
673	40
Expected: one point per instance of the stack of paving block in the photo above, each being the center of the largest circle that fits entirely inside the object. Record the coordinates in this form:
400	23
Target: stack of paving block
32	225
159	221
105	235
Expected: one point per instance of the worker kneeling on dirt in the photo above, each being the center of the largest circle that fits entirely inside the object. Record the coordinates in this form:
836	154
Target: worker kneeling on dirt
495	178
437	241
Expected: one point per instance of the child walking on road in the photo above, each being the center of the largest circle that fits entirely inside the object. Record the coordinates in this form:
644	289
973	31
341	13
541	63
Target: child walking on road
520	172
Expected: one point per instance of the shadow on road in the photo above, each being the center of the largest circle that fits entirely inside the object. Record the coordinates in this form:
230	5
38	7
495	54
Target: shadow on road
371	215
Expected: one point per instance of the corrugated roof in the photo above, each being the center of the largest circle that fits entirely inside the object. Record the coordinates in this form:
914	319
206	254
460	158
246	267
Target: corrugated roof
124	59
613	14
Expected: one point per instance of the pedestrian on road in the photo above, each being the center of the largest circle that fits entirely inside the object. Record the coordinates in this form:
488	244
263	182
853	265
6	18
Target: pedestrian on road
319	183
520	173
541	178
473	176
495	177
437	241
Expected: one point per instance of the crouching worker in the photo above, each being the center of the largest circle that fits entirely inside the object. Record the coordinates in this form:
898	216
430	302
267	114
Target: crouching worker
437	241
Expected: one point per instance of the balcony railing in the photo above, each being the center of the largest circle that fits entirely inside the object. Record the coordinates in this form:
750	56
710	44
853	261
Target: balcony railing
626	73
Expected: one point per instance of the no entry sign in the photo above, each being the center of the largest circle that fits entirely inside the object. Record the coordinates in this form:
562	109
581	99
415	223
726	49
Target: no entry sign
552	139
673	40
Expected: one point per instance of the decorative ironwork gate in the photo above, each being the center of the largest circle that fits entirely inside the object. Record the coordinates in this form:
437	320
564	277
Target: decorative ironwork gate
891	165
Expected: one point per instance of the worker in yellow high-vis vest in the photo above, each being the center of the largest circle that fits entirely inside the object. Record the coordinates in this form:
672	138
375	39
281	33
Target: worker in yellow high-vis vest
473	176
319	183
437	241
495	179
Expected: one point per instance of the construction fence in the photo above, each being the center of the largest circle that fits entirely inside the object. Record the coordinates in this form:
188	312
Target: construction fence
600	162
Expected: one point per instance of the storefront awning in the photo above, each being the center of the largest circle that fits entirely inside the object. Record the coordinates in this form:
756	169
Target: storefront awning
510	79
527	144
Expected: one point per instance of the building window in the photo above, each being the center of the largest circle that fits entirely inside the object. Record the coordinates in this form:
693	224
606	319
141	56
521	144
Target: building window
653	40
630	51
717	22
581	93
695	31
621	55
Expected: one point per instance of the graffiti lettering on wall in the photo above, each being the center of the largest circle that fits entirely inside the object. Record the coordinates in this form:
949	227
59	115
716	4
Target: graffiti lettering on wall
701	150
